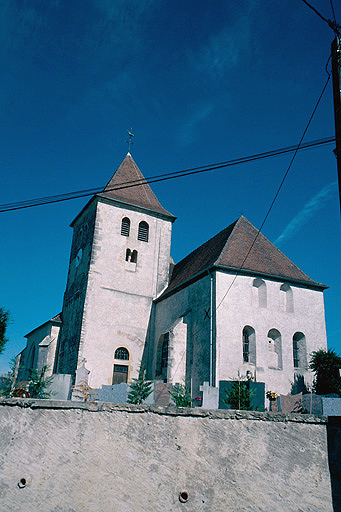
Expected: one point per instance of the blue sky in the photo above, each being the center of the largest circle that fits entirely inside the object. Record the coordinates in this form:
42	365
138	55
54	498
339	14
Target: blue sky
199	82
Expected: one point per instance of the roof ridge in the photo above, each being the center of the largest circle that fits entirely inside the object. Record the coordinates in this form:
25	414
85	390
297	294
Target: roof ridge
137	192
227	249
228	240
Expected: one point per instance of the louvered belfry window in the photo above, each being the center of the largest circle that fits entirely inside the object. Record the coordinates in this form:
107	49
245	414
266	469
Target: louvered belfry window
143	233
125	226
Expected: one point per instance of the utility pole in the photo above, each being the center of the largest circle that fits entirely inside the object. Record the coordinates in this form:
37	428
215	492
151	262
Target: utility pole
336	71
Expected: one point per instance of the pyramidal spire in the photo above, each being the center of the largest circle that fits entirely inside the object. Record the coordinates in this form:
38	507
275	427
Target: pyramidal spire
128	185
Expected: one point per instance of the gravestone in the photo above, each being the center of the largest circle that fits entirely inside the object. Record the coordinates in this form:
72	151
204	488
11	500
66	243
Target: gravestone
257	390
162	394
210	399
116	393
81	380
312	404
60	386
290	403
331	405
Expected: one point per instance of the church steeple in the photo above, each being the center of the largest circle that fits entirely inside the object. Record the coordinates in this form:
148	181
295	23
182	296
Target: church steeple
128	185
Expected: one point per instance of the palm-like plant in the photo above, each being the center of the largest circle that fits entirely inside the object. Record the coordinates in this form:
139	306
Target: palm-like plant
326	365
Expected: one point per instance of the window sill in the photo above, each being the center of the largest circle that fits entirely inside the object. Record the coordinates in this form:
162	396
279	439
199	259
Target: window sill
130	267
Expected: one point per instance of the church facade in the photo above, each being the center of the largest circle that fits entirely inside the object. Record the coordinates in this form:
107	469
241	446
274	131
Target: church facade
224	310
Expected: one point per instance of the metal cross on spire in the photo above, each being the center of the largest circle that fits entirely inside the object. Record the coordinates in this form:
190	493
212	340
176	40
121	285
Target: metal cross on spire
130	141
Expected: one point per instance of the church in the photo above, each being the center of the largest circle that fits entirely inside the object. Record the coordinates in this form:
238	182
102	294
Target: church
235	306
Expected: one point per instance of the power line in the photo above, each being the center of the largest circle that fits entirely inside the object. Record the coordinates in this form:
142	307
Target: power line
332	6
298	147
30	203
278	190
332	24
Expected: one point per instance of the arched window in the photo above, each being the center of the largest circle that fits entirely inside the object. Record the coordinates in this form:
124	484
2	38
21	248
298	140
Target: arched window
249	345
143	233
286	298
120	373
259	293
122	353
275	349
32	358
299	349
133	257
162	356
125	226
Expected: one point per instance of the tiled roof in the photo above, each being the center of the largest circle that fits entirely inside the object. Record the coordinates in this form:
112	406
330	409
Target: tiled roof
229	248
58	319
138	195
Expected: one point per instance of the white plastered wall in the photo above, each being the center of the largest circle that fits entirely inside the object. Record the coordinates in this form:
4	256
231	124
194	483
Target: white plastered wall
119	293
239	309
183	315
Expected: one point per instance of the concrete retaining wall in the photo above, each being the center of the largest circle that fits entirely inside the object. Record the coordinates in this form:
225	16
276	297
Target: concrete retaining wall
105	457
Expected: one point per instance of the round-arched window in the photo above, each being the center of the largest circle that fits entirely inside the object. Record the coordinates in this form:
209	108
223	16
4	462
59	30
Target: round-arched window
122	353
143	232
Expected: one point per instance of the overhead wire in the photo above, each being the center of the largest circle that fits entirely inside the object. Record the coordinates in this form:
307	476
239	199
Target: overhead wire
238	270
332	24
332	6
40	201
278	190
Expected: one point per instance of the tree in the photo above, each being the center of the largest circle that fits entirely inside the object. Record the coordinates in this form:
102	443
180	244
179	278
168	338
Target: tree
39	383
239	396
8	385
140	388
181	396
326	365
4	317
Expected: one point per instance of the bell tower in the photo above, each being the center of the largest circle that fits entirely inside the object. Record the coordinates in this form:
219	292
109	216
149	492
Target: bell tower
119	263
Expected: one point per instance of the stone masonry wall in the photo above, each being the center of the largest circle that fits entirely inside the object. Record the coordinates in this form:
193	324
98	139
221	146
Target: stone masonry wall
105	457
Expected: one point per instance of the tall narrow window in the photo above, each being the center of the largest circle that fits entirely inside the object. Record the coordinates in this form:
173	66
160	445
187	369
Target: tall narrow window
249	345
299	350
275	349
133	257
143	233
128	253
259	293
125	226
246	347
162	356
286	298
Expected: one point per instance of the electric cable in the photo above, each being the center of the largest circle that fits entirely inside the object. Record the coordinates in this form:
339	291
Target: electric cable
238	270
278	190
332	24
332	6
40	201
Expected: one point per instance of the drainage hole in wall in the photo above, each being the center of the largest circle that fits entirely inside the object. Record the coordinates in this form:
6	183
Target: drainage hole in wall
183	496
22	483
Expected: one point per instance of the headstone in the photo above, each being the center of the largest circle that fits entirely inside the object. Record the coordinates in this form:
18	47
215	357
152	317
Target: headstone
312	404
257	394
150	400
331	406
60	386
81	382
210	399
162	394
117	393
290	403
